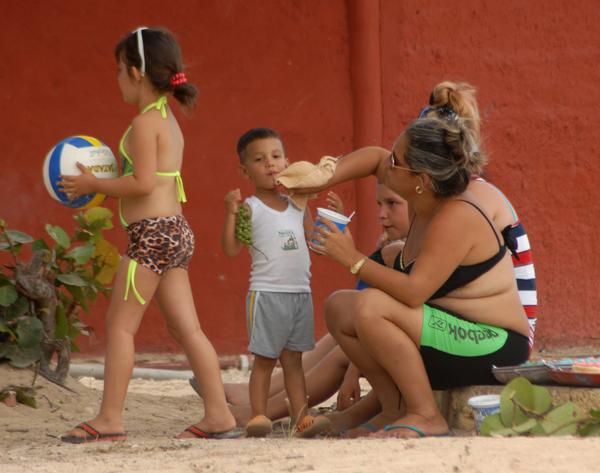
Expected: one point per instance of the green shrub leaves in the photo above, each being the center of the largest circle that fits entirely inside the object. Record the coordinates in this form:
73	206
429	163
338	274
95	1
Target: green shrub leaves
40	299
526	409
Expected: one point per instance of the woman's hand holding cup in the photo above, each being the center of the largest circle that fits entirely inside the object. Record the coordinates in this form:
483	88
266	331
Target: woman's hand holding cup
329	240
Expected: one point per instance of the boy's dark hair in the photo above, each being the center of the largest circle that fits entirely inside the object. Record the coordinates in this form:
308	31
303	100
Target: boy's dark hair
162	57
253	135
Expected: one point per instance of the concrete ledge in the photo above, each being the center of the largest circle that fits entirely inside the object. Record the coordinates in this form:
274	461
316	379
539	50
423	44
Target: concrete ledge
454	407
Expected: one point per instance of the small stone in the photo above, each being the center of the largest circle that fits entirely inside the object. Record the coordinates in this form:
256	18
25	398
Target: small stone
11	399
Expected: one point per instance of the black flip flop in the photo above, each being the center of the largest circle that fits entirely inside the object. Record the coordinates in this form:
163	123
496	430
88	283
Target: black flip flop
92	435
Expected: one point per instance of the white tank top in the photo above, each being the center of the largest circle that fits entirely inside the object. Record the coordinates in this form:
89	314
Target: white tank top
280	259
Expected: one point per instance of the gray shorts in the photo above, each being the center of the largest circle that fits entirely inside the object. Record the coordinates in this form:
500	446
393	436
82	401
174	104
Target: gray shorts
279	320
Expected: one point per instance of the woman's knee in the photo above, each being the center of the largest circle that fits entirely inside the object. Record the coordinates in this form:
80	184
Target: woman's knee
366	303
368	311
338	308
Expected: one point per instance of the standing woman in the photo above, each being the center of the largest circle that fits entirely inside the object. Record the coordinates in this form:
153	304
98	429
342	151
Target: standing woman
452	310
161	242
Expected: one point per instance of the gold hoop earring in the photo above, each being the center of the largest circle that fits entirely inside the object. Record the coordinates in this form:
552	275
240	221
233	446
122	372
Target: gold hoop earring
420	187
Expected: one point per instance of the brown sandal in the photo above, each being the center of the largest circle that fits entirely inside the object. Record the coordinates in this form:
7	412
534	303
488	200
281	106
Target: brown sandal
259	426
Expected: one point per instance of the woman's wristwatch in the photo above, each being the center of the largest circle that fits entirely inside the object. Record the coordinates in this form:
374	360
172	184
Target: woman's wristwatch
355	268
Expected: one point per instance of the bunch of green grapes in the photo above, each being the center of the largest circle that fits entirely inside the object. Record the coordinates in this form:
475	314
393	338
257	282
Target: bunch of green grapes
243	226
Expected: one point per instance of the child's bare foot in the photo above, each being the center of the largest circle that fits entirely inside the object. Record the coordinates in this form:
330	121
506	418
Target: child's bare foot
341	422
337	423
311	426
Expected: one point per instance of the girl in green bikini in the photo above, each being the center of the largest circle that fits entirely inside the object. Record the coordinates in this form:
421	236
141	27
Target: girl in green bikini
161	243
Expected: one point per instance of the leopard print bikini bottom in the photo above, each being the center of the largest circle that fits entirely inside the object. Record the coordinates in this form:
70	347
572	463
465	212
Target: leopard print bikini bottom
161	243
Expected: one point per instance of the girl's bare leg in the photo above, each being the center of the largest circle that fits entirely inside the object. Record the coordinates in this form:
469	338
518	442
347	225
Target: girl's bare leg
174	296
391	332
122	321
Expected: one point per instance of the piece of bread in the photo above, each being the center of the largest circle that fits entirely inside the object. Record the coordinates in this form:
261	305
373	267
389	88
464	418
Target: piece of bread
304	174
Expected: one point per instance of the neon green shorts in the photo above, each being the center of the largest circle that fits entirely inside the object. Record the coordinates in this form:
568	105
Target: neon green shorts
452	334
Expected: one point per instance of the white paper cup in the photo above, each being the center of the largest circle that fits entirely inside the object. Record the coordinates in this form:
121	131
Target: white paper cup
484	406
338	219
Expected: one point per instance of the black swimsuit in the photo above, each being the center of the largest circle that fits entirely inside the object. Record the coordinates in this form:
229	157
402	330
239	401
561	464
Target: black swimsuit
462	275
454	358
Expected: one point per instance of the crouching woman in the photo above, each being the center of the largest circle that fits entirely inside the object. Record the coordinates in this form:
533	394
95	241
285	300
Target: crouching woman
450	308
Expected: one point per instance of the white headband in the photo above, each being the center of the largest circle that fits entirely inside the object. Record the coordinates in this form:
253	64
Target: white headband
140	43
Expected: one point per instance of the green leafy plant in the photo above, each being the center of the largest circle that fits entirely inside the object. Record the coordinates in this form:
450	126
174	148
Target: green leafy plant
526	409
41	299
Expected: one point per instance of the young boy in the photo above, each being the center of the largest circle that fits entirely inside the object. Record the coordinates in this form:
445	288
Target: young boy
279	310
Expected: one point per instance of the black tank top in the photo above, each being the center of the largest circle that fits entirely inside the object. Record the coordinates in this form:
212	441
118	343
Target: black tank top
462	275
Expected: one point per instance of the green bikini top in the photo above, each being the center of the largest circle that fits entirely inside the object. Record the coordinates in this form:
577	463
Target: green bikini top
161	106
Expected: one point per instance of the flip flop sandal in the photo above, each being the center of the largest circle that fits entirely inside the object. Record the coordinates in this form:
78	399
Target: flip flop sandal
419	432
202	434
259	426
92	435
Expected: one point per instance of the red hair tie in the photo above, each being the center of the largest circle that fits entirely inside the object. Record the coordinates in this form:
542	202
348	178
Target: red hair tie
178	79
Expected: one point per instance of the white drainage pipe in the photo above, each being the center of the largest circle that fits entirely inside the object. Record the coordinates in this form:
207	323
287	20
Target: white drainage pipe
97	371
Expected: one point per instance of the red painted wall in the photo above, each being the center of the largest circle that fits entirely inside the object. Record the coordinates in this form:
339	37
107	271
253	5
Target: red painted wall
535	65
288	65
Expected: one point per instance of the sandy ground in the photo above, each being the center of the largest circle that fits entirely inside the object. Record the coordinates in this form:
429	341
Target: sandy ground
157	410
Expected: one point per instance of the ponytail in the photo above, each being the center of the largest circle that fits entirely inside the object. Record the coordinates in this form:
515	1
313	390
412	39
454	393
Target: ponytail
184	92
460	97
456	102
